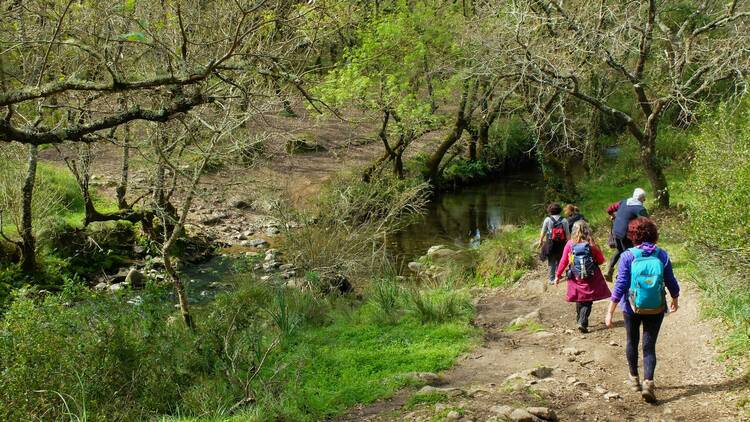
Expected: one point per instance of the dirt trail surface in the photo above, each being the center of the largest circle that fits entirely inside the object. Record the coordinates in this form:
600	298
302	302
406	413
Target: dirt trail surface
578	376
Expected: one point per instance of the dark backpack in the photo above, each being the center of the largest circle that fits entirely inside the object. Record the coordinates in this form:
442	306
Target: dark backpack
557	232
582	264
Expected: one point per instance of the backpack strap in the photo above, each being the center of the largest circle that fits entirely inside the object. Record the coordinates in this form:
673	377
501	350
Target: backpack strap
637	252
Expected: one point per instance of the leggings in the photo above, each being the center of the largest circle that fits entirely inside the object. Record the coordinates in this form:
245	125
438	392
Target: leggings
583	310
651	326
553	261
623	244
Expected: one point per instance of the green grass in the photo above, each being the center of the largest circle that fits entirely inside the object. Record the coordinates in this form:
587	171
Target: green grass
423	399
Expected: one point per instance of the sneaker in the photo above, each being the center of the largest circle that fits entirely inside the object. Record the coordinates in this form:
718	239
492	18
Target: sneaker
634	382
582	329
648	393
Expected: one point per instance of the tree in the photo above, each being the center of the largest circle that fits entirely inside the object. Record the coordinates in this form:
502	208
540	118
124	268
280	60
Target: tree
669	55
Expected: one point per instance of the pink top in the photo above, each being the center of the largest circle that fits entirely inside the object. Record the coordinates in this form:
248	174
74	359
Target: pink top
590	288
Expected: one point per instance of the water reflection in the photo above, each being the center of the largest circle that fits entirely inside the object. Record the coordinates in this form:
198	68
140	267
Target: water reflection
462	218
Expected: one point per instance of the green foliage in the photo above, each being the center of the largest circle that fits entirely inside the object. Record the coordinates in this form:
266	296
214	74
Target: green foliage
720	183
510	139
421	399
530	325
439	305
461	171
506	257
386	297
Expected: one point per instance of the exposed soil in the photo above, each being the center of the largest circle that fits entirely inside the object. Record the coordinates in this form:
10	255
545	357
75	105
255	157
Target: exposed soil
692	384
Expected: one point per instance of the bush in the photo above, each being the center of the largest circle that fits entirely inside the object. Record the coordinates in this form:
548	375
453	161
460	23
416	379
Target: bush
346	229
720	183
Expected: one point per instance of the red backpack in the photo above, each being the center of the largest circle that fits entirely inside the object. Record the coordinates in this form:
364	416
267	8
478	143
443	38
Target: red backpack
557	233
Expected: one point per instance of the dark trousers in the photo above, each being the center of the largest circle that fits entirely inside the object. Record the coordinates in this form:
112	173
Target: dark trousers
583	310
651	325
623	244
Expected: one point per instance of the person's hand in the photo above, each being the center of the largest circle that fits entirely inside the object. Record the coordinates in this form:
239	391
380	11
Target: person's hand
674	305
608	320
611	217
557	280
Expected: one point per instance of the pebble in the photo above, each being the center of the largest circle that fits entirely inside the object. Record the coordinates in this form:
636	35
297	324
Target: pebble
571	351
542	372
599	389
543	412
571	380
613	343
611	396
453	416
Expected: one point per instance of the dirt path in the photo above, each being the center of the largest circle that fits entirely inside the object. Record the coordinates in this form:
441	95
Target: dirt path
692	385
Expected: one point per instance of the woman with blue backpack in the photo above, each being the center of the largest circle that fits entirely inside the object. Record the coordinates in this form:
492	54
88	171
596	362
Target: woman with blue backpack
644	273
581	259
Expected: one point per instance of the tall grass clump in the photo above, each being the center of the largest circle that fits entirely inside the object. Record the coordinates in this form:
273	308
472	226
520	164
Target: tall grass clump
345	230
506	257
439	305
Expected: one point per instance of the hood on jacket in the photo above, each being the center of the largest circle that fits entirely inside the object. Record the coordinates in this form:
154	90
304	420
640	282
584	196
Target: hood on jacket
647	247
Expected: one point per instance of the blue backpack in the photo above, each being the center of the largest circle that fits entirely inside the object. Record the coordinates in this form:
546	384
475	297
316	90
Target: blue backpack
582	264
646	294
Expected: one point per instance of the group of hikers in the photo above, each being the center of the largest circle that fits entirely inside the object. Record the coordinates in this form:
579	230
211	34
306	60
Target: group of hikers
644	274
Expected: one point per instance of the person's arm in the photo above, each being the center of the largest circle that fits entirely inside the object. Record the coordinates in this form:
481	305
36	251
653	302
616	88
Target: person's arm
622	285
613	208
564	261
670	281
543	234
597	252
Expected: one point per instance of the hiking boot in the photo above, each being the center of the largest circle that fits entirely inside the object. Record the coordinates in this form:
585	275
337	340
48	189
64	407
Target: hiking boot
634	382
648	393
583	328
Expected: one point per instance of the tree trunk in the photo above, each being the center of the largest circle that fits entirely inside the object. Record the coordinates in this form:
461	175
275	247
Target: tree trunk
433	164
180	289
122	187
482	141
654	171
28	243
473	147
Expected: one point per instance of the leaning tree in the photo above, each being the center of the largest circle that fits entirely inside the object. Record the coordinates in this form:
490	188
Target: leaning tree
669	56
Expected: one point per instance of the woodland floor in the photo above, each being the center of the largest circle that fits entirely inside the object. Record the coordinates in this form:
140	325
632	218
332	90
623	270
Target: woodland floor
692	383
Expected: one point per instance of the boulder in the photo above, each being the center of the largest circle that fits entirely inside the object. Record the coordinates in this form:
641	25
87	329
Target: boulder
255	243
503	411
117	287
453	416
415	266
434	249
272	231
101	286
136	279
543	412
429	378
523	415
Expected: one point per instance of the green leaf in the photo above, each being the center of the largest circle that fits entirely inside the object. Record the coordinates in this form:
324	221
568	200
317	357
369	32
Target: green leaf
134	36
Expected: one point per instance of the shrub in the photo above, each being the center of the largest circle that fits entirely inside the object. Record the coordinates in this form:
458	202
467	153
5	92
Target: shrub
345	232
720	183
386	299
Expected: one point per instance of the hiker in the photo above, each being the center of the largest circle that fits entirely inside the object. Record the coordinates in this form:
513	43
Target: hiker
644	272
555	232
622	213
572	214
581	259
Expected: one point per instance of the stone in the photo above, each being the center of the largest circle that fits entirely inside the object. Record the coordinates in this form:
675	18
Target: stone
415	267
101	286
450	392
213	219
599	389
135	278
543	412
613	343
523	415
611	396
571	380
580	384
255	243
525	319
136	301
286	275
571	351
453	416
272	231
439	407
542	372
265	277
270	266
287	267
502	410
117	287
429	378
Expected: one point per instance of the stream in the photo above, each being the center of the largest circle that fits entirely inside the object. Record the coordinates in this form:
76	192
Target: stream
458	219
463	217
